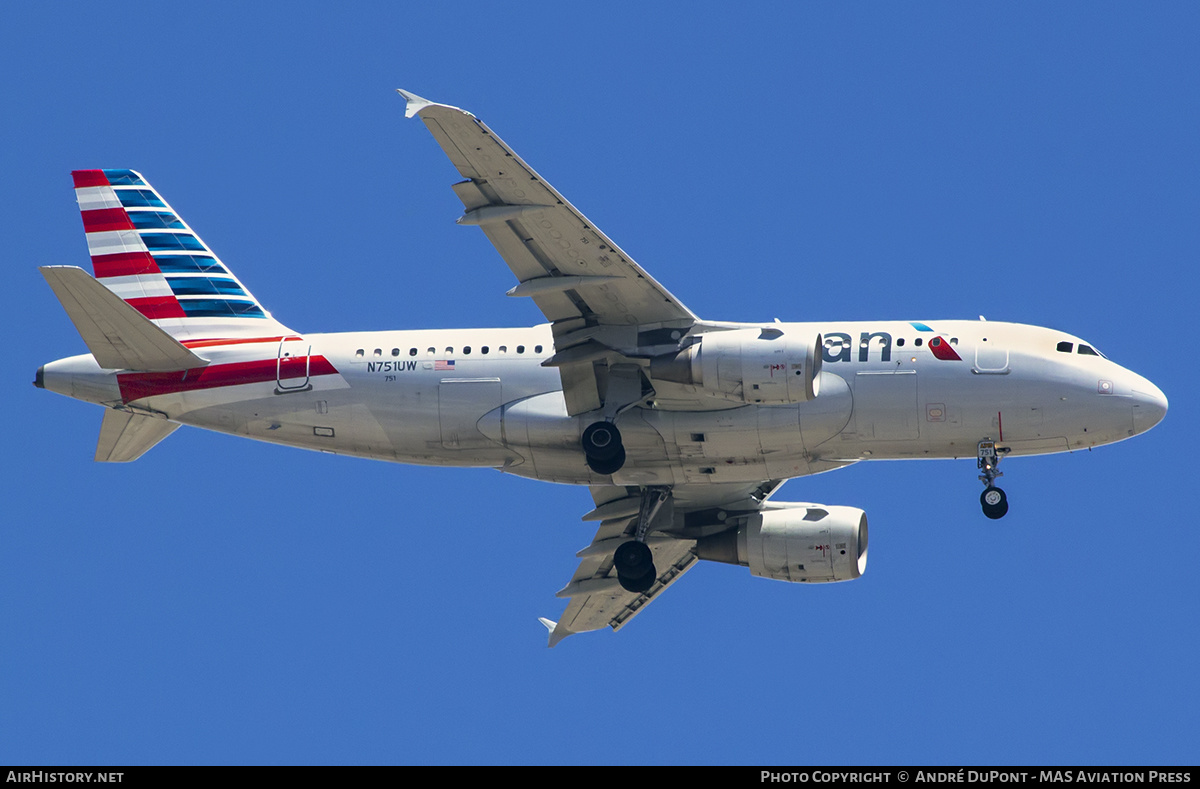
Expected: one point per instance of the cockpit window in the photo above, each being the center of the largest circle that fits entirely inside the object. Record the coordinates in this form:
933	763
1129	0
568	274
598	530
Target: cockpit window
1066	347
1087	350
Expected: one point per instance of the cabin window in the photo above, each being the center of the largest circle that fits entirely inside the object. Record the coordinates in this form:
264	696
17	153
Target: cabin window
537	349
917	342
412	351
954	341
503	349
359	353
900	343
431	352
520	349
1065	347
466	349
395	352
449	350
484	349
378	352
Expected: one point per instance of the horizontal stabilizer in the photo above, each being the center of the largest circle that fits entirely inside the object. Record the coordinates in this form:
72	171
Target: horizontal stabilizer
119	336
126	436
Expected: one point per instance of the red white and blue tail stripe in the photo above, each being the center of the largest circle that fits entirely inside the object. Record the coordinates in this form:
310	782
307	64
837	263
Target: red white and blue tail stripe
147	255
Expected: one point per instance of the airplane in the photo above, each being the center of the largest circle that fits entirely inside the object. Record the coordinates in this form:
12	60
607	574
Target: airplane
683	429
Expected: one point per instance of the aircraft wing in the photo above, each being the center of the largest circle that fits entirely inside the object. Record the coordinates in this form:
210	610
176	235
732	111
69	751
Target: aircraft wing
597	599
576	275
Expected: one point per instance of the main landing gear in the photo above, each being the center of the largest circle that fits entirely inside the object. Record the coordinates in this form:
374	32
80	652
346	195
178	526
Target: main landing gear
626	388
633	560
993	500
602	448
635	566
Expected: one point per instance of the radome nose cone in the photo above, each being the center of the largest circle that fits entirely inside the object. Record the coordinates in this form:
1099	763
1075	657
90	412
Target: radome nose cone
1150	405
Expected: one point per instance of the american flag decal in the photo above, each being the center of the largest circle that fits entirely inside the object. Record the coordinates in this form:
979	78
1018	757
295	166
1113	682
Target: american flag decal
444	364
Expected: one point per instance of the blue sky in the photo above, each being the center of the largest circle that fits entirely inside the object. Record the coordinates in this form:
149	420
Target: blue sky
223	601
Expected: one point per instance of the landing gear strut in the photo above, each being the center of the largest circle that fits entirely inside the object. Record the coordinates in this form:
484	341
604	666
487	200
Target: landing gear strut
633	560
993	500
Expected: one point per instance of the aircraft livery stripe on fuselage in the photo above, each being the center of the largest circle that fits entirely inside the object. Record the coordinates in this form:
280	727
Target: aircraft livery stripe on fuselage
135	386
238	341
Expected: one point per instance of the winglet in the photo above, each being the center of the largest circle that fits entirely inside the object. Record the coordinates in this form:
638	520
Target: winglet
416	104
556	633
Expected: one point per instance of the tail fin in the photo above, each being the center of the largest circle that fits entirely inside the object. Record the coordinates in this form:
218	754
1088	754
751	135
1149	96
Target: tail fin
148	256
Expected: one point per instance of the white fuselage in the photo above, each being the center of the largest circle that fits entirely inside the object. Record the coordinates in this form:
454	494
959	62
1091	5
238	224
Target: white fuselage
480	397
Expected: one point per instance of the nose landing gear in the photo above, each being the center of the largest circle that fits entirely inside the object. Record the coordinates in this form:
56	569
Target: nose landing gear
993	499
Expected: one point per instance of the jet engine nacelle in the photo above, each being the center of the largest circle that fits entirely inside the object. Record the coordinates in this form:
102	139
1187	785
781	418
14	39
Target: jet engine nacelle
809	543
748	366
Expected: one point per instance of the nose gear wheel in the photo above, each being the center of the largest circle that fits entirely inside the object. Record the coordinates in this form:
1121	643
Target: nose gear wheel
993	499
994	503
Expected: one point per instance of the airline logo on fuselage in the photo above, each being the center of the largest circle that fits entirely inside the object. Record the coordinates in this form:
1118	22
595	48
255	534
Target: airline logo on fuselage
838	347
